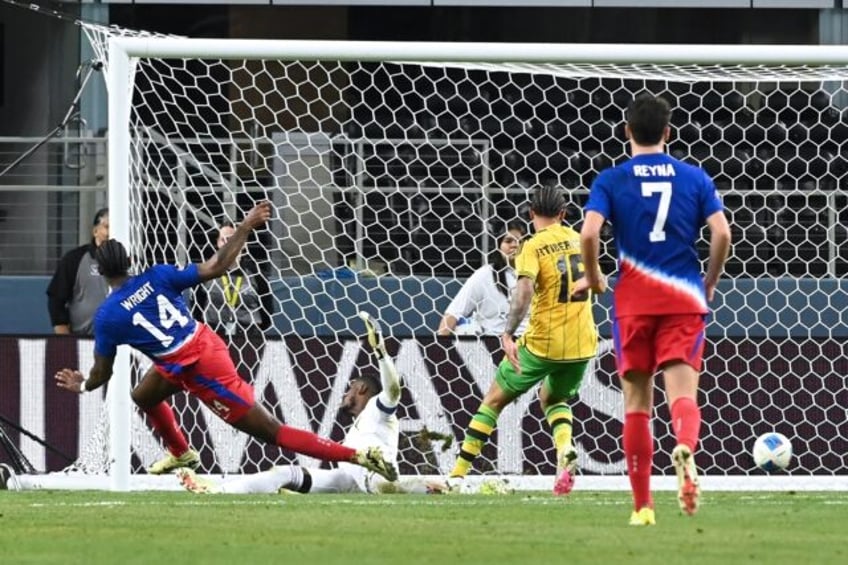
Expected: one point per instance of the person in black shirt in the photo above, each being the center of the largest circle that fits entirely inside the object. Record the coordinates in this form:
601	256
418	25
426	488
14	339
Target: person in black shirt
77	289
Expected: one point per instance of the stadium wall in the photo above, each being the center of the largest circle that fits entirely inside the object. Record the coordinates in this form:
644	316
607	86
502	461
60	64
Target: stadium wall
412	306
744	395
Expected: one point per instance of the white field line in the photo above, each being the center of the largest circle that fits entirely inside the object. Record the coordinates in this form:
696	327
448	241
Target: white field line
768	499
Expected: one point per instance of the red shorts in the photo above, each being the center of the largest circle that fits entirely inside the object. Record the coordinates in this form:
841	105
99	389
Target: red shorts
647	343
203	367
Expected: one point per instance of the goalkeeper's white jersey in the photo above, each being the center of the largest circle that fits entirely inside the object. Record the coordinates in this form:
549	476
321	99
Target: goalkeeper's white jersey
375	426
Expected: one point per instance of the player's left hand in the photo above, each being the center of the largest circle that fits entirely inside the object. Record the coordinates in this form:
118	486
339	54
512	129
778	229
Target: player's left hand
511	351
69	379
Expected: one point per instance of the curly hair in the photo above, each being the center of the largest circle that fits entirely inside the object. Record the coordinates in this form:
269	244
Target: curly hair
112	259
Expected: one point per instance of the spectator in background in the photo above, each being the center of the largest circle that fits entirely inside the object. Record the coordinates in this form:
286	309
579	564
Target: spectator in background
77	289
484	298
232	304
235	306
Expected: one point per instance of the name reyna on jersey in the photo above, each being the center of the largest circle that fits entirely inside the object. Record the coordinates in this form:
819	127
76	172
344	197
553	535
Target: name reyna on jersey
138	296
663	170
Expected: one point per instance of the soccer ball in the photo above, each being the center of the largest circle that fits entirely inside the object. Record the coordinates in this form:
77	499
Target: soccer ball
772	451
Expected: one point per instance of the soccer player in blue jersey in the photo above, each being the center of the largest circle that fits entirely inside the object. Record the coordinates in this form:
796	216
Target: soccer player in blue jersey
657	206
148	313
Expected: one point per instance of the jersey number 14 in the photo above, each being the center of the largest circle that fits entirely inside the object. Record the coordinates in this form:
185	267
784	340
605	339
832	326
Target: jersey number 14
168	316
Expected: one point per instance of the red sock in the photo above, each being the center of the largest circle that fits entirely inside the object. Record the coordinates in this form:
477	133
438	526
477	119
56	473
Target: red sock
639	452
312	445
686	422
163	422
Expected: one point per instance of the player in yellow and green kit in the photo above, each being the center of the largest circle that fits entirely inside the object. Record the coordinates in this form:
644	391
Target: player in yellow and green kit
555	350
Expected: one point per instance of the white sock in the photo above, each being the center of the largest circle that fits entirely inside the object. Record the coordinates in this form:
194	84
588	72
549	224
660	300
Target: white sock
290	477
332	480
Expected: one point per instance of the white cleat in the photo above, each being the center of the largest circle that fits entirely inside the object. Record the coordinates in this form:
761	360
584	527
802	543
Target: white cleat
688	486
192	483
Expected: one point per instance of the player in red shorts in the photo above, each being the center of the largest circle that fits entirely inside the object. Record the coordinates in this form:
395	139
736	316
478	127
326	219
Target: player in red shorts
657	206
148	312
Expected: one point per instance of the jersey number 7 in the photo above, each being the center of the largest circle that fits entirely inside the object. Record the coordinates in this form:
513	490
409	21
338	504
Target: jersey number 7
657	234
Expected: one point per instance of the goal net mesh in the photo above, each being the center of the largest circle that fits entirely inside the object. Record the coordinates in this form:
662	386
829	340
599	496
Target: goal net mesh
391	183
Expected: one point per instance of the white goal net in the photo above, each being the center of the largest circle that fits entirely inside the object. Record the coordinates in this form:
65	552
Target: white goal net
391	181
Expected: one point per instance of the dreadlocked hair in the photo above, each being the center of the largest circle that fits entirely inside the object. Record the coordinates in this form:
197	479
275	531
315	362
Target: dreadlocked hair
112	259
548	202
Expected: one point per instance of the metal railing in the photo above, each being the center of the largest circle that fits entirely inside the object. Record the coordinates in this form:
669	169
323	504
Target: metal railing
47	202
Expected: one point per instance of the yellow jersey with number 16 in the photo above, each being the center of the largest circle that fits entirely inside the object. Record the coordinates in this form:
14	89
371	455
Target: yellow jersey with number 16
562	327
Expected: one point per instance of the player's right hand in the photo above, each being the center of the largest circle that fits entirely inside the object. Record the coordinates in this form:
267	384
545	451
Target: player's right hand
69	379
510	349
260	214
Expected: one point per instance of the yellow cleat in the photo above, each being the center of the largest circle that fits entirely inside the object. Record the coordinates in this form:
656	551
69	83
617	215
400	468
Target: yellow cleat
375	337
192	483
189	459
373	460
495	487
644	517
688	485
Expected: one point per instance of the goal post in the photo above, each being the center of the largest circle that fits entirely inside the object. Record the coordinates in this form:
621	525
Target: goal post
394	167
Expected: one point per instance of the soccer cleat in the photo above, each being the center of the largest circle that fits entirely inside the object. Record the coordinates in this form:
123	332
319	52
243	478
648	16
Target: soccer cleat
189	459
457	485
566	468
375	336
8	478
643	517
688	486
495	487
373	460
192	483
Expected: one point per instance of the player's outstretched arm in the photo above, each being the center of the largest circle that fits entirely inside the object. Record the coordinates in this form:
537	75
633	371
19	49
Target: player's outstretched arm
100	373
389	378
224	258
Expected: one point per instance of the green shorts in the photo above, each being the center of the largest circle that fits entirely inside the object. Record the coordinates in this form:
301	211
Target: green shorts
562	378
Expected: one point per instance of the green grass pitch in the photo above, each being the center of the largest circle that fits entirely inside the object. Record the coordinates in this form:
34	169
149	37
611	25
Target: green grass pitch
164	528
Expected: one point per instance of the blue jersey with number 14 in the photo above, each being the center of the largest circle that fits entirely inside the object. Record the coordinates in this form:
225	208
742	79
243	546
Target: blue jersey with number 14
657	206
147	312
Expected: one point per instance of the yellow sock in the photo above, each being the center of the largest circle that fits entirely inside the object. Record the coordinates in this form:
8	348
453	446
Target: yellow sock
560	419
481	427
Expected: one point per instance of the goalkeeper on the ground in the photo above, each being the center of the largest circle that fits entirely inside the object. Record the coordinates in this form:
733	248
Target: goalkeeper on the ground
372	402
